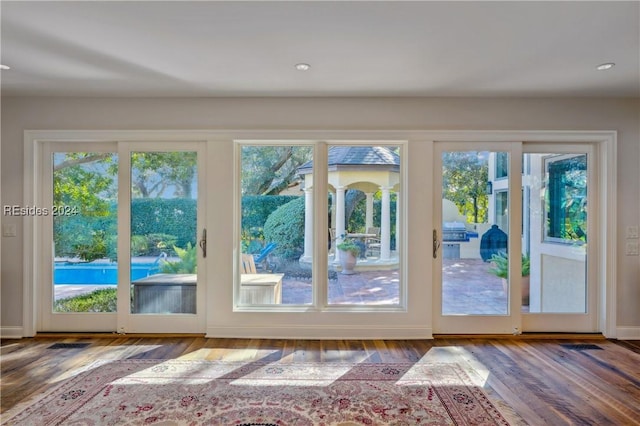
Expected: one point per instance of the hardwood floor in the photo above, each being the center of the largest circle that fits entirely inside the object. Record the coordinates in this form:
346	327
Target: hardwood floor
544	379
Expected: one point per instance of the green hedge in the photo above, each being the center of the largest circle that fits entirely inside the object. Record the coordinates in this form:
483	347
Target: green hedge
176	217
163	223
157	225
255	211
257	208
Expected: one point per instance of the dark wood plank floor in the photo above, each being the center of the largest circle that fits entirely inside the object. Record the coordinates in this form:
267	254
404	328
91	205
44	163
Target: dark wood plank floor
545	380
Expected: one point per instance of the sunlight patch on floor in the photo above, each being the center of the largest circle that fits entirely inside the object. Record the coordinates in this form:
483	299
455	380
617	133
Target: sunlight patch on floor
477	371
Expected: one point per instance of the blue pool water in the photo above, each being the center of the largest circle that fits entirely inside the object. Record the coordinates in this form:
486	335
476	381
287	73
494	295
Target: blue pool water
99	273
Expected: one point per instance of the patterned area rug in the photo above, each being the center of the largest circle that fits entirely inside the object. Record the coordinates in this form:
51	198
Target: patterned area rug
185	392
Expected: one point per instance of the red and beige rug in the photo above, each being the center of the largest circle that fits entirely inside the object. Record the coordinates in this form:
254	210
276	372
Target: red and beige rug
187	392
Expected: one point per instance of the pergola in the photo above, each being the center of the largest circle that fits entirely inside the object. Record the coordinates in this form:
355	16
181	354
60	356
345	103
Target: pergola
362	167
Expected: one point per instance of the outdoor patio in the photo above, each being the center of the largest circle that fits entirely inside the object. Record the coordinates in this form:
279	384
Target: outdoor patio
468	288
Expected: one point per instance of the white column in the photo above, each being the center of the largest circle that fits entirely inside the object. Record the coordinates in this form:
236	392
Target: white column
308	226
333	209
397	222
332	222
368	220
385	226
340	225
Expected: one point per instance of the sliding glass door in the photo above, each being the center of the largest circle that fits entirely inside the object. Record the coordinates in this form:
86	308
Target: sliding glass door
503	198
559	238
121	241
79	215
476	282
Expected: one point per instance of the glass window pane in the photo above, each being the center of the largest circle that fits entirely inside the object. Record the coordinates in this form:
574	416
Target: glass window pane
502	165
555	236
475	279
84	211
566	198
276	234
164	197
364	242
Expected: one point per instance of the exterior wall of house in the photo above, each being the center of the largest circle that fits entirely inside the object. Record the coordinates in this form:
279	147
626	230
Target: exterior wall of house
39	113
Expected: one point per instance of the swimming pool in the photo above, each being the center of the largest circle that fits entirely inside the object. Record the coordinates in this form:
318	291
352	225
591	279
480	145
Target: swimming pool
99	272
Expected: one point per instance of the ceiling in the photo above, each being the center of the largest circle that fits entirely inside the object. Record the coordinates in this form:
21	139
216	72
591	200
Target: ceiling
381	48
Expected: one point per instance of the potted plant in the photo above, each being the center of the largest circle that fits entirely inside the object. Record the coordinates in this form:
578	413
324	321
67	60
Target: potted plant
500	268
349	252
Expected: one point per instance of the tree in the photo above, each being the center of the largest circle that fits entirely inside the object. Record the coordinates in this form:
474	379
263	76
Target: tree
84	183
267	170
78	184
159	174
87	182
464	180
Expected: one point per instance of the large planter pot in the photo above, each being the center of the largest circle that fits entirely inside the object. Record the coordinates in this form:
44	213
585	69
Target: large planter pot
525	289
348	262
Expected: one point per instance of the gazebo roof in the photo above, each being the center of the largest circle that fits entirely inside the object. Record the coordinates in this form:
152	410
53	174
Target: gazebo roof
358	157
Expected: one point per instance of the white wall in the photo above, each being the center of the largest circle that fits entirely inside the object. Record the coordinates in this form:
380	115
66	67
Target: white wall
623	115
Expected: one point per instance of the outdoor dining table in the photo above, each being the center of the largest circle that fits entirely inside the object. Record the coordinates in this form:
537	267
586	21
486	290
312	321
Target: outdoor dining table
362	237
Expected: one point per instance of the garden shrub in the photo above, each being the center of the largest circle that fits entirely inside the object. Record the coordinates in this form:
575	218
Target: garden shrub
152	244
187	263
157	224
285	227
75	234
96	249
257	208
255	211
101	300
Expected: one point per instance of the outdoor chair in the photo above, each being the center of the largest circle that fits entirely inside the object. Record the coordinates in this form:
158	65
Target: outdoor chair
373	244
248	265
262	259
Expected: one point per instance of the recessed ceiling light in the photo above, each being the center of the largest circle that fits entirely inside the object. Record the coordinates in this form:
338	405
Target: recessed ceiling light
303	67
4	67
605	66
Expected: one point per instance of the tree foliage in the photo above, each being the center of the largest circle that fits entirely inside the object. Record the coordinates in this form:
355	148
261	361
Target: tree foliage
88	182
267	170
163	174
84	181
464	181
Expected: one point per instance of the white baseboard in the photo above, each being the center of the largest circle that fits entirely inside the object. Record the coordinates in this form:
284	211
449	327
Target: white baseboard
628	333
321	333
11	332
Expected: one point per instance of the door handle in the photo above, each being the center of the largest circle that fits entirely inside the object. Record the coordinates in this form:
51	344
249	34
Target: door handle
203	242
436	244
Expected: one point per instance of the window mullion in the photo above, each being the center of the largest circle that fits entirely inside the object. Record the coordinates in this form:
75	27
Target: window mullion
320	225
